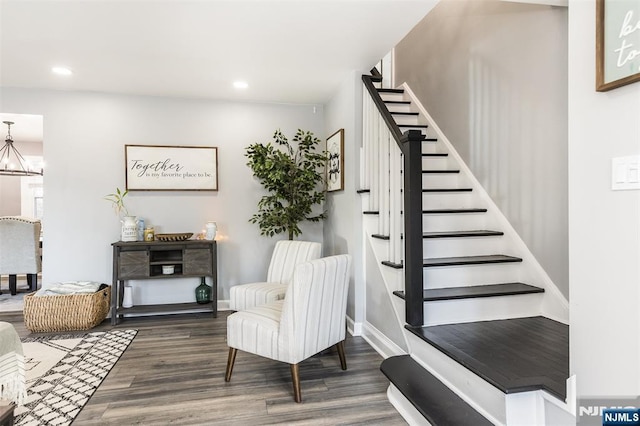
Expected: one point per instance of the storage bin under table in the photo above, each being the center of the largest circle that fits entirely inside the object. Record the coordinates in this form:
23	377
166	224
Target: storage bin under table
66	312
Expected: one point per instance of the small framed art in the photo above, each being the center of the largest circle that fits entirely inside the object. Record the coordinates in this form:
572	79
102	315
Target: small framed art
617	43
335	161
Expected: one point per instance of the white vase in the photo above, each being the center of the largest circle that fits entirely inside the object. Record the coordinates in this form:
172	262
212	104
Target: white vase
211	230
127	299
129	230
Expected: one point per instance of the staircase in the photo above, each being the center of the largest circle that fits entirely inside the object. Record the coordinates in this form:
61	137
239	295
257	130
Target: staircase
484	325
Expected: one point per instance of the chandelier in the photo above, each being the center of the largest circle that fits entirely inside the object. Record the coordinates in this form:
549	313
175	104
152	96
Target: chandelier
11	162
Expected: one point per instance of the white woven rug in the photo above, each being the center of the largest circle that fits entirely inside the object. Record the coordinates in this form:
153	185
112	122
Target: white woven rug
64	371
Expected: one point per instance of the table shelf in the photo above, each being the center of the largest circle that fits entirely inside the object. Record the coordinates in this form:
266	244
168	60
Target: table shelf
143	260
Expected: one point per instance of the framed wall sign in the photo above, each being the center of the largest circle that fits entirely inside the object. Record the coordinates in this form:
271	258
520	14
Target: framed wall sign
171	168
617	43
335	162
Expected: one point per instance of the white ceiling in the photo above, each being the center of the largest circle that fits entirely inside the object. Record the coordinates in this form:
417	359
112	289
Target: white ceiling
289	51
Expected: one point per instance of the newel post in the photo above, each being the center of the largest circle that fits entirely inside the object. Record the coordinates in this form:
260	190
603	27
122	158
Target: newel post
412	150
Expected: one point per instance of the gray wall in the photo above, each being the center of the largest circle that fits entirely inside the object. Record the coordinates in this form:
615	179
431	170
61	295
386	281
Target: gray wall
493	75
84	140
343	227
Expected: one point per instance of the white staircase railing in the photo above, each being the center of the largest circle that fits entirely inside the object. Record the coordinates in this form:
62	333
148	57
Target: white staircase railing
383	177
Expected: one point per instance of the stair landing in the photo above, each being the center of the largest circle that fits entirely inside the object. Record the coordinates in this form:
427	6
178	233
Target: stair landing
514	355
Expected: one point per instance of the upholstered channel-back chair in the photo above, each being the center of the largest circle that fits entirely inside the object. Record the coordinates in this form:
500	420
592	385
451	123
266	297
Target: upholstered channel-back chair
286	255
20	250
310	319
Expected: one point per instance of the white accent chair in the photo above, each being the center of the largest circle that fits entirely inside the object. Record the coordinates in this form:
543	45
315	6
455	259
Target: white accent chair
20	250
286	255
310	319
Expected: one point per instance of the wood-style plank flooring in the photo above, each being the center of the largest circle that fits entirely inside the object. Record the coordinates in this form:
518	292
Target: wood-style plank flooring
173	373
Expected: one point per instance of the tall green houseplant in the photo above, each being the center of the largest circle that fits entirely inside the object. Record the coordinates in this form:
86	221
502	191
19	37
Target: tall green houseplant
292	173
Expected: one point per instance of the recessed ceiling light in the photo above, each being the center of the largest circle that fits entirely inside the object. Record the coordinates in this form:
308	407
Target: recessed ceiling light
61	71
240	84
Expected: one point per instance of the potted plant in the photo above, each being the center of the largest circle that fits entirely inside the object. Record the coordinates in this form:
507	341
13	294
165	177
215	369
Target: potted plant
129	230
117	201
293	175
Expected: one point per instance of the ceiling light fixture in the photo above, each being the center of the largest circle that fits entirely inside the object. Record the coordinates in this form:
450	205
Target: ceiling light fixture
240	84
61	71
11	162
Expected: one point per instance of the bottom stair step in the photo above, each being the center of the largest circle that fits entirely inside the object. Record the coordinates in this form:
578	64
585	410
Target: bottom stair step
436	402
514	355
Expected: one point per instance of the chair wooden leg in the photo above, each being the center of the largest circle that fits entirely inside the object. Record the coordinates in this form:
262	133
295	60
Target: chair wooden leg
13	284
295	377
343	359
230	362
32	280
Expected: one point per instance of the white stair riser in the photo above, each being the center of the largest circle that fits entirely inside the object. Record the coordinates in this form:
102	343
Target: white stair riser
470	246
392	96
399	107
481	309
455	276
482	396
436	200
444	180
432	147
406	119
453	222
437	163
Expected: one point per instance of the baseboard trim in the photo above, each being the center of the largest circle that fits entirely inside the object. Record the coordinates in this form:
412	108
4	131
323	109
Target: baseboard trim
379	342
405	408
354	328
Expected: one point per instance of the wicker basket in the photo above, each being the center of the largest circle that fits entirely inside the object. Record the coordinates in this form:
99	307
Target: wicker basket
66	312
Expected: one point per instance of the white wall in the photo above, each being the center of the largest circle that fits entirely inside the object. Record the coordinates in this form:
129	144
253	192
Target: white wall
493	75
85	134
343	227
604	230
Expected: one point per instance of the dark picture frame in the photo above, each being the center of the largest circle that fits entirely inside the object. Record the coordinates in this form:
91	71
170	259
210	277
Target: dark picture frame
335	161
171	168
617	43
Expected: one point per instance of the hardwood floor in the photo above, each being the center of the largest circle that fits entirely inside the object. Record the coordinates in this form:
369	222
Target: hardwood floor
173	373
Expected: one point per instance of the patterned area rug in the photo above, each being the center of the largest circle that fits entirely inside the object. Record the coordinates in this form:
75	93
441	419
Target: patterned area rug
63	371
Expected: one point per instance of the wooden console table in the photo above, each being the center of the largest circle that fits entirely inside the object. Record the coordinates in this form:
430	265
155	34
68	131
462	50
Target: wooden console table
143	260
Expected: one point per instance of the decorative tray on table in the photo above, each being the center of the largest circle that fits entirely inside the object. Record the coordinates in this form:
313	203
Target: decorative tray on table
174	237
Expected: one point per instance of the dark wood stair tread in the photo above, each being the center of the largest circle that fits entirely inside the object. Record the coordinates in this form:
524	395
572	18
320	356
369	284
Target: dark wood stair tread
451	234
380	237
472	292
435	154
435	401
404	113
448	211
414	126
469	260
462	234
363	191
447	190
397	102
431	171
392	264
514	355
384	90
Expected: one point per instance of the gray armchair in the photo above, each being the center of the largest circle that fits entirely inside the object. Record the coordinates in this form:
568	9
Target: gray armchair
20	250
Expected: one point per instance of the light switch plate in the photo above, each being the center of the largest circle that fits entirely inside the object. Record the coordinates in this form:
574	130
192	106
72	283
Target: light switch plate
625	173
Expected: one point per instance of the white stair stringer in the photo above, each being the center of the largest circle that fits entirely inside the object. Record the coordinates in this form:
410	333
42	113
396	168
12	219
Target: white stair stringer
553	303
485	398
393	280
